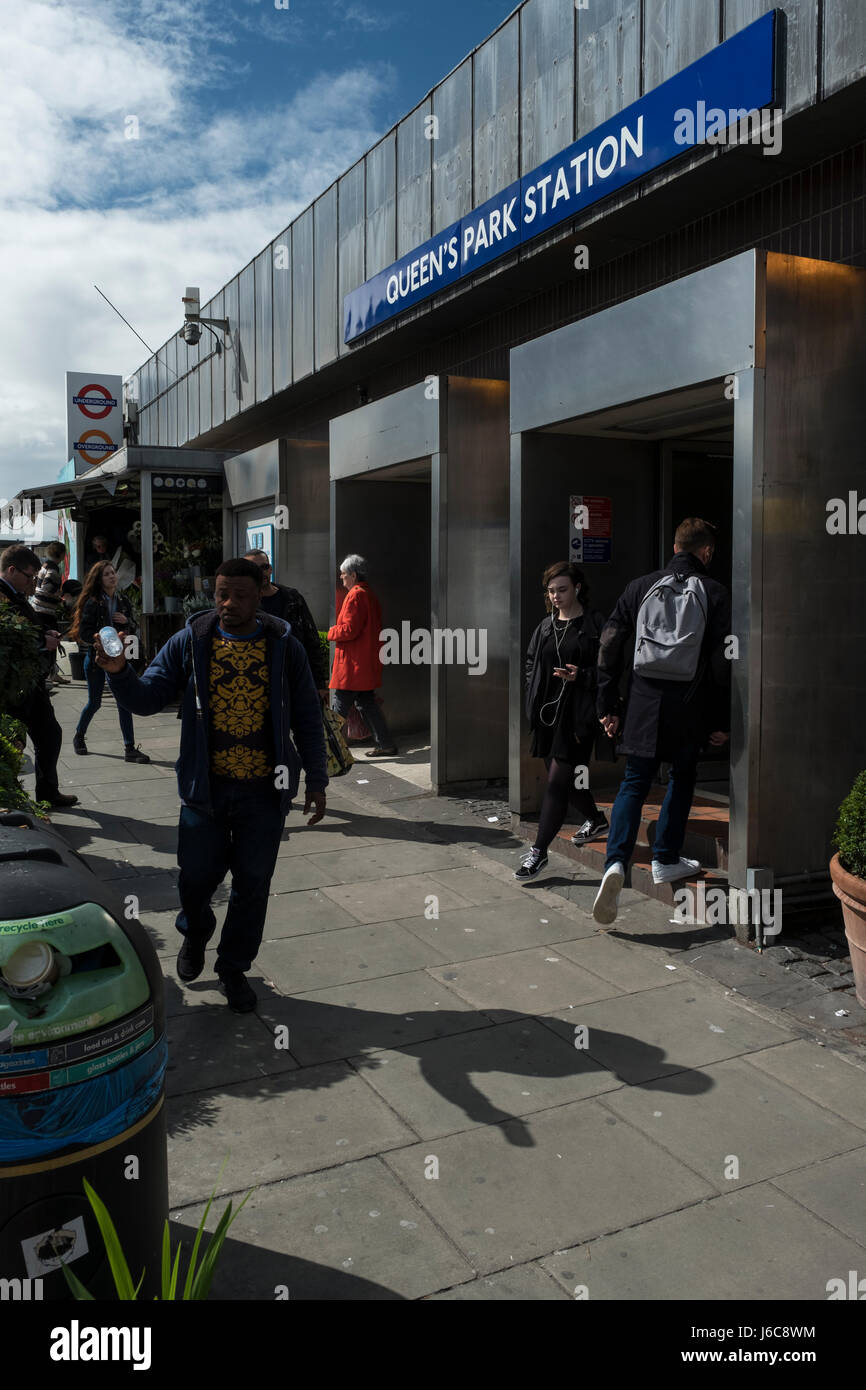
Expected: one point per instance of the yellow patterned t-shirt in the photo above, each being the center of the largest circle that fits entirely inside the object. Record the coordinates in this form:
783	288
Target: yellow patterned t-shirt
241	732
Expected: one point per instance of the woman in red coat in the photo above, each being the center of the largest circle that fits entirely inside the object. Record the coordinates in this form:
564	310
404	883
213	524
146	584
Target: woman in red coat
357	667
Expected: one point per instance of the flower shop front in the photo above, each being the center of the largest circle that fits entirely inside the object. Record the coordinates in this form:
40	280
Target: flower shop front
161	511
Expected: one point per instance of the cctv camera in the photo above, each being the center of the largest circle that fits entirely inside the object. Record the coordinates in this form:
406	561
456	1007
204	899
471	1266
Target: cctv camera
191	333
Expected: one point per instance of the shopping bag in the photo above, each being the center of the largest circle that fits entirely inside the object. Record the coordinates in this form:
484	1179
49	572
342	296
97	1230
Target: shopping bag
357	730
339	758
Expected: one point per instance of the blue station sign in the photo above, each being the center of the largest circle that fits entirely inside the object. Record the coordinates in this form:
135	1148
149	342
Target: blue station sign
698	105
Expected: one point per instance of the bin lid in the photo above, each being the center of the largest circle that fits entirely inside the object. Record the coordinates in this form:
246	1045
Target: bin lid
106	979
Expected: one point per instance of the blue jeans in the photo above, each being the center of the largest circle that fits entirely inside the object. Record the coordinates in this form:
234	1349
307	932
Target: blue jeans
673	816
95	677
242	836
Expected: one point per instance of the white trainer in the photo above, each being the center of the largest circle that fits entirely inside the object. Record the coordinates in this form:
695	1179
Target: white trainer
668	873
606	904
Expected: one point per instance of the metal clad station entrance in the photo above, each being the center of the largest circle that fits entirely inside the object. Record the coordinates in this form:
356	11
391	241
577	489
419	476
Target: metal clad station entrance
419	487
638	403
278	500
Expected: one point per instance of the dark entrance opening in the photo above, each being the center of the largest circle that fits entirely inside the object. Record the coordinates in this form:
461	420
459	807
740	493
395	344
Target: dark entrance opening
384	515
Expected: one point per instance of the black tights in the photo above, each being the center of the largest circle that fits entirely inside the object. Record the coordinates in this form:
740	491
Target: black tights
561	790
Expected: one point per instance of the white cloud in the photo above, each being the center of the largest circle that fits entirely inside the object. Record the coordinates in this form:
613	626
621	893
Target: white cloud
363	17
189	202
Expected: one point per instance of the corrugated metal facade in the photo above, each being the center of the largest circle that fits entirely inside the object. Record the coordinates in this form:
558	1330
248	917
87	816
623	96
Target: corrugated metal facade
550	73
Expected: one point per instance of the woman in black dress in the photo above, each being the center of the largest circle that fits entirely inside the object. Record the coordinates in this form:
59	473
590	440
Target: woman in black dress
560	705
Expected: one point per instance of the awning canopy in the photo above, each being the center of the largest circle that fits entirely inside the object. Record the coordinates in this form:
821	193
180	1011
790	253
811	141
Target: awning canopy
126	465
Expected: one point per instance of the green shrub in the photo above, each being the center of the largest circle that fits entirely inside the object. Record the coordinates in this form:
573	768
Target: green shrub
13	797
326	647
850	834
21	666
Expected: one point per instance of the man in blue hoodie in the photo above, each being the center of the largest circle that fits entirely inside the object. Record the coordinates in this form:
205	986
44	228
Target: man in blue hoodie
246	688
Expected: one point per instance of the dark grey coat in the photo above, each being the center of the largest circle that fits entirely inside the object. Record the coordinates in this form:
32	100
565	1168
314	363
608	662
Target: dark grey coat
583	705
663	716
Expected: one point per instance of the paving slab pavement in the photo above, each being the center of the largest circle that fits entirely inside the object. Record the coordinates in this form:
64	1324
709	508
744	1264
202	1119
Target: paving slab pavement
456	1087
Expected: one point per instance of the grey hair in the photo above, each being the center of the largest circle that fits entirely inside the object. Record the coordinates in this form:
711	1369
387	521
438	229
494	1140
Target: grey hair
356	564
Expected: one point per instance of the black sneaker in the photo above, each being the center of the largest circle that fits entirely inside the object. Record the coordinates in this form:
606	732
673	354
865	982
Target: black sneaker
190	960
381	753
78	744
591	830
240	996
533	864
132	754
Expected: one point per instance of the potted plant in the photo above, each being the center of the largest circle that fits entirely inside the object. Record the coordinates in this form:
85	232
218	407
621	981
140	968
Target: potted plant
848	872
198	603
199	1275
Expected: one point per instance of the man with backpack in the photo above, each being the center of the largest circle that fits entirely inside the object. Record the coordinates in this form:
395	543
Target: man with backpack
679	699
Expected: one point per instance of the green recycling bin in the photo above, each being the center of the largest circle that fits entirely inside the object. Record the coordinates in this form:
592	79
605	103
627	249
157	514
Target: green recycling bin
82	1068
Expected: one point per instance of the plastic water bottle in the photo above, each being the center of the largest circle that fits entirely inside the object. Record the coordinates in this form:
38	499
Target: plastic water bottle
112	643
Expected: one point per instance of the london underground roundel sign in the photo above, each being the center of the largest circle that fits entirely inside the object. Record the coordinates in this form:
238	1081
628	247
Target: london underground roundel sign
95	401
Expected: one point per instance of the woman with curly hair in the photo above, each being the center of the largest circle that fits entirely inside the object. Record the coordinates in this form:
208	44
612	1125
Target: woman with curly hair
100	605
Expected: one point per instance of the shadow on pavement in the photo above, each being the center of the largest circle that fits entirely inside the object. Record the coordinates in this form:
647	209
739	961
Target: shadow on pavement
247	1272
469	1042
684	939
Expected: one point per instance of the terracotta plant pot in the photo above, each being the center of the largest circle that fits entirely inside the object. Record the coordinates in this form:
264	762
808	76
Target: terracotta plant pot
851	893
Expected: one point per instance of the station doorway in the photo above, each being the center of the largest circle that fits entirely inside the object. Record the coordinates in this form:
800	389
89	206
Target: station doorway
385	516
420	489
653	463
759	356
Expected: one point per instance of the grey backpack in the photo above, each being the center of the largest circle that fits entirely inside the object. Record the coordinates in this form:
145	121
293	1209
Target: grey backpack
670	627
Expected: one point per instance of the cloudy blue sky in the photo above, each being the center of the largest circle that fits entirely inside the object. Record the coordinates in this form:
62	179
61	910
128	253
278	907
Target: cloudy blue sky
245	112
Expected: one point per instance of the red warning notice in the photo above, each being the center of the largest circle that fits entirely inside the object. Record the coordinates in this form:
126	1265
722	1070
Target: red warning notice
590	529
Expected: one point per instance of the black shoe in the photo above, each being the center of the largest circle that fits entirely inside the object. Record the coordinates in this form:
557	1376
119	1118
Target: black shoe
591	830
78	743
132	754
240	996
190	960
381	753
533	864
58	799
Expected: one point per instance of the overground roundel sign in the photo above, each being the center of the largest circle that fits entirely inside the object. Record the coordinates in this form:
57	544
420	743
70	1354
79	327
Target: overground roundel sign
95	445
95	395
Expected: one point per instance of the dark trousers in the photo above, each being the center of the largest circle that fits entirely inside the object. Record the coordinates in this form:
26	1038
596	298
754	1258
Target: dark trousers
561	790
95	677
241	836
365	701
46	736
674	813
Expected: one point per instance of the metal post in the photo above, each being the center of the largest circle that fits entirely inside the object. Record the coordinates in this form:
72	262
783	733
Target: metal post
146	543
438	614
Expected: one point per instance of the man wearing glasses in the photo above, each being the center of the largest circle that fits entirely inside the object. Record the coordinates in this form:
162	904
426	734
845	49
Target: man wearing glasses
19	567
